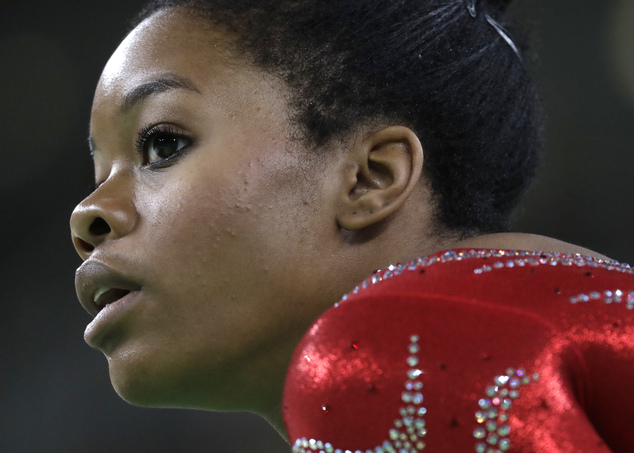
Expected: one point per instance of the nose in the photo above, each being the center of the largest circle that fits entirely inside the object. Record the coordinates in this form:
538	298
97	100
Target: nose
106	214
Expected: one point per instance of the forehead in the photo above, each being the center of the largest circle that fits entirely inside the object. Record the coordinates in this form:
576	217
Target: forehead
174	42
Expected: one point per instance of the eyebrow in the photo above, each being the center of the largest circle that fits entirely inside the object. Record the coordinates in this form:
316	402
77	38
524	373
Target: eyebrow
159	85
141	92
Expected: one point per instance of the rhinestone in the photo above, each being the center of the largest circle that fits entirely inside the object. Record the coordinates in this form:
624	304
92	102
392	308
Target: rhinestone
514	383
514	394
504	444
413	374
414	338
501	380
411	410
504	430
504	418
418	398
479	433
398	423
486	268
498	265
481	447
504	392
484	403
492	439
448	256
491	425
412	361
420	445
480	416
595	295
414	348
506	404
393	434
406	397
493	413
422	411
492	390
477	271
418	385
409	385
419	423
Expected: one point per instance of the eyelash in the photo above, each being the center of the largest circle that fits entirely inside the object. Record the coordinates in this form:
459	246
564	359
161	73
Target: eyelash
147	133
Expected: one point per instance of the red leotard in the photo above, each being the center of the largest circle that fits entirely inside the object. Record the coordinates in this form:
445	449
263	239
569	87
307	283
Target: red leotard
471	350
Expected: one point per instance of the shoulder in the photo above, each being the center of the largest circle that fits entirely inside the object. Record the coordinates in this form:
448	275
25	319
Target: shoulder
450	324
524	241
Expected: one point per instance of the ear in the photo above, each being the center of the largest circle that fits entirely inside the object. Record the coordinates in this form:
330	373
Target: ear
386	167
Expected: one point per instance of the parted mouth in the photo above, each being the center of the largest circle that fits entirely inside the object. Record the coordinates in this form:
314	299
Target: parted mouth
98	285
105	296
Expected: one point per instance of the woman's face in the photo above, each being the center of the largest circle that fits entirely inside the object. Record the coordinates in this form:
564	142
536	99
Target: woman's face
205	220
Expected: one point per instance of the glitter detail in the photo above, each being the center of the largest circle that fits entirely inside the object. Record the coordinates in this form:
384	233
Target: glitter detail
492	417
616	296
409	430
528	258
505	259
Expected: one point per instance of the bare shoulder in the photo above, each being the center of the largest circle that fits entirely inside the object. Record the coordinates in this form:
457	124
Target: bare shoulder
524	241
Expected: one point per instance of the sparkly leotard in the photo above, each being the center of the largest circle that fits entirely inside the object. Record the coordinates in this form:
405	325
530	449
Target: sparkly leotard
471	350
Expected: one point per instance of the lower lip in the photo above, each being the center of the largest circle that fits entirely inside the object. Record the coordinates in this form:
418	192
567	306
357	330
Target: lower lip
99	331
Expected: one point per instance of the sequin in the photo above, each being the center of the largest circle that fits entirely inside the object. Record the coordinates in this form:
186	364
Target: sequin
519	258
608	296
405	436
492	416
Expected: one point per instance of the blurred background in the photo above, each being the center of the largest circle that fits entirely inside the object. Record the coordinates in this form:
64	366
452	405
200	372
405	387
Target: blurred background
55	394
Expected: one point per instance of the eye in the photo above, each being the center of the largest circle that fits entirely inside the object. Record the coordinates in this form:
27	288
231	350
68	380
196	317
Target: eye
159	145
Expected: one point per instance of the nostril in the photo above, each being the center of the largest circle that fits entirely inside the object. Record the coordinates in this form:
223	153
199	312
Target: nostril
80	244
99	227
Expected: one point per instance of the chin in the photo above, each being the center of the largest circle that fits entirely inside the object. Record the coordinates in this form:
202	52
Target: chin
164	383
139	385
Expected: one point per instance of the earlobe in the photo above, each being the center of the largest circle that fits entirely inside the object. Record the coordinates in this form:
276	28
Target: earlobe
387	167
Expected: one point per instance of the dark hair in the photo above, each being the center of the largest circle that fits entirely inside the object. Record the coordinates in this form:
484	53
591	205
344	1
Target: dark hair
425	64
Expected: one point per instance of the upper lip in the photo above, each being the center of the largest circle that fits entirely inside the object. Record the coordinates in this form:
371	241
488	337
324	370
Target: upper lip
93	278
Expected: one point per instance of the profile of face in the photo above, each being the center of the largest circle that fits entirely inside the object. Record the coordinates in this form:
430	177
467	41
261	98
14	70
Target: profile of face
203	229
214	238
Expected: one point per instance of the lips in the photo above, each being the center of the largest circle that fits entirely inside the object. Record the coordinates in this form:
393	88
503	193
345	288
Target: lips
99	285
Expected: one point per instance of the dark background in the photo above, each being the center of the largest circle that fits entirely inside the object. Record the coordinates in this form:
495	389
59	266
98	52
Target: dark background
55	394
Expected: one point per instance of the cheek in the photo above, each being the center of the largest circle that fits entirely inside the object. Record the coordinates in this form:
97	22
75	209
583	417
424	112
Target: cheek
211	224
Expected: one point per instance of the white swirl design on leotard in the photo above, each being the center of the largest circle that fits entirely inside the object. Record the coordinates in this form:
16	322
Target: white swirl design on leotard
409	429
492	416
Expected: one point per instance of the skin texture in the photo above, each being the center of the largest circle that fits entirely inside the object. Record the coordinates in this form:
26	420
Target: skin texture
234	247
